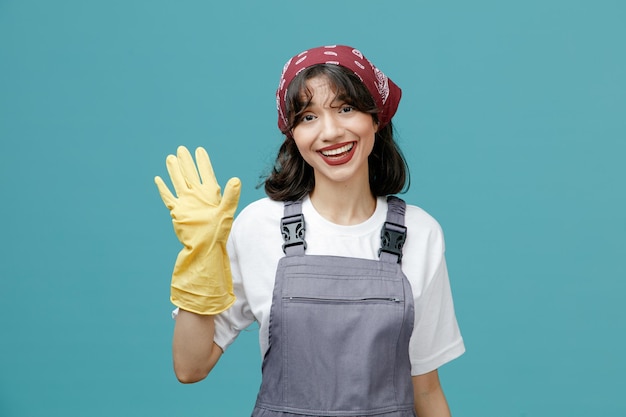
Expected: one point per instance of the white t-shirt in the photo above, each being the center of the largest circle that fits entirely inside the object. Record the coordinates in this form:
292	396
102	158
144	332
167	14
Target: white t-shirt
255	247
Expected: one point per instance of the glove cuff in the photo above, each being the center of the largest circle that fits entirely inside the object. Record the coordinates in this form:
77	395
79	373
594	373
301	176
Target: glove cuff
201	304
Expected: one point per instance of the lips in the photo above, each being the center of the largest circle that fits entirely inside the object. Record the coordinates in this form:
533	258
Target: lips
338	154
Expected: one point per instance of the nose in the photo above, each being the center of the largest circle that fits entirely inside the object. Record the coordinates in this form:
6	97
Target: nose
331	128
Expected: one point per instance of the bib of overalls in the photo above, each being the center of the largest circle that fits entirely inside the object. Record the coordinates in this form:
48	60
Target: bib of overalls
339	329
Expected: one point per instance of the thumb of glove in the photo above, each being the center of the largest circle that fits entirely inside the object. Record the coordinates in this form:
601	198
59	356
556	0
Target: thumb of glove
230	198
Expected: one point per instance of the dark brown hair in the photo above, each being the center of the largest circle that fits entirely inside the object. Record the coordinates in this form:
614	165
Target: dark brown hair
292	178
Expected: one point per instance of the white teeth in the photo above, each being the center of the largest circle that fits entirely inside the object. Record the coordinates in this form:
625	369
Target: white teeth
338	151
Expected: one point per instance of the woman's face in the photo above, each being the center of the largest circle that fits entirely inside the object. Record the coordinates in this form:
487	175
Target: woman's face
333	137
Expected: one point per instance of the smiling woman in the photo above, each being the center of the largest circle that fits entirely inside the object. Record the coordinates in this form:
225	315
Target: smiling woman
292	177
348	283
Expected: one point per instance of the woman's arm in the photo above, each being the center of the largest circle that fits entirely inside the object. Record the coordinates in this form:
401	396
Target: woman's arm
429	398
201	280
193	349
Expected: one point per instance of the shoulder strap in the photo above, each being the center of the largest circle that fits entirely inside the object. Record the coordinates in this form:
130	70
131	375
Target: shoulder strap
393	233
292	228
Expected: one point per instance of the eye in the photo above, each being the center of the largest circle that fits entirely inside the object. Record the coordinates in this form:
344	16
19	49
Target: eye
307	118
346	109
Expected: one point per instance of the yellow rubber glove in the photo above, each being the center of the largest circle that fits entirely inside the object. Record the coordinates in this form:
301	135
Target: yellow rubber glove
201	281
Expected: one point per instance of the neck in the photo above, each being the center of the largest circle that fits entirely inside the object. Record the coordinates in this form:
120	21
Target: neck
343	204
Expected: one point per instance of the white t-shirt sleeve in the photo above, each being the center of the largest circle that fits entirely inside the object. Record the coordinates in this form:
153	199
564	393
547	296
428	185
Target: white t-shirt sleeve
231	322
437	338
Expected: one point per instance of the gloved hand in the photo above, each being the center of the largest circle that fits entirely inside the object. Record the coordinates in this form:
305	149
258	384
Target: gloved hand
202	218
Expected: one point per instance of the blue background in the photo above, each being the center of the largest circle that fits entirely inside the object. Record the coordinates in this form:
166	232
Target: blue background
513	121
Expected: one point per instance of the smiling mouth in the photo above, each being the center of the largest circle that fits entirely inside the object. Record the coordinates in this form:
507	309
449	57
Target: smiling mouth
337	152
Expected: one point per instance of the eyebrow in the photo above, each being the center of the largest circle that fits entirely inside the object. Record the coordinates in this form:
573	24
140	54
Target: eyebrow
337	101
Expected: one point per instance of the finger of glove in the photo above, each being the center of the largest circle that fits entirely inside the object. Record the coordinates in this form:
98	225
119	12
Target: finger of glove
166	195
230	199
176	175
187	167
208	175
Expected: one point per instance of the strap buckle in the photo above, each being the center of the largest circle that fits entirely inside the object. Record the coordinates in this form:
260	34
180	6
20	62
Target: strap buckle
292	228
392	237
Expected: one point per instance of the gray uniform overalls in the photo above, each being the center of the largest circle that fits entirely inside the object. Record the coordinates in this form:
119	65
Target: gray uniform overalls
339	329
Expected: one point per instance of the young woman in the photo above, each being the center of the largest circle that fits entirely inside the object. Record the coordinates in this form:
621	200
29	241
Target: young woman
348	283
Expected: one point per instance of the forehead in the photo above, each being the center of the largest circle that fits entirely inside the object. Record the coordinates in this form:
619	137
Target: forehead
321	89
320	83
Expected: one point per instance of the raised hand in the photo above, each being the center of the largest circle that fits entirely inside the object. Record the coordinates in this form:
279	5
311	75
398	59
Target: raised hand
202	218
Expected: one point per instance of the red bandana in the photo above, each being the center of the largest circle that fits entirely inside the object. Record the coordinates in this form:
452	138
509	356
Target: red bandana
383	90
